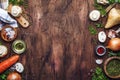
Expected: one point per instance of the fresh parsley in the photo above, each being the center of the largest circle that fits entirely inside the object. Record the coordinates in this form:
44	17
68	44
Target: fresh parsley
16	2
3	76
111	53
100	8
113	1
99	25
92	30
99	74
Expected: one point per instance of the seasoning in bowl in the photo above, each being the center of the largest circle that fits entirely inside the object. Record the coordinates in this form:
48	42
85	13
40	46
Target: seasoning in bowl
100	50
112	67
8	33
19	46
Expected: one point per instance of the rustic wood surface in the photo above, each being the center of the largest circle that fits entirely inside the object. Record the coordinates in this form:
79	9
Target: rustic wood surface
59	45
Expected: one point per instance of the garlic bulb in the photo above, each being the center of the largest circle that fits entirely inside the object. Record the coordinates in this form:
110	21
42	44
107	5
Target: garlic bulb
16	11
104	2
94	15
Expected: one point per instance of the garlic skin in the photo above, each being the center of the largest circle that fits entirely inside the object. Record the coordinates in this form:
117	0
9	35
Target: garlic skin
94	15
16	11
111	34
99	61
102	36
3	50
104	2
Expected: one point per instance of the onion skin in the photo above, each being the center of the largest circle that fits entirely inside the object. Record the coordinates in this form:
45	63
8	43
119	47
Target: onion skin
14	76
114	44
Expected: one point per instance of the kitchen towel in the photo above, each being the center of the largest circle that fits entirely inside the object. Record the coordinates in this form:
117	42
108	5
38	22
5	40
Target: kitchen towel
6	19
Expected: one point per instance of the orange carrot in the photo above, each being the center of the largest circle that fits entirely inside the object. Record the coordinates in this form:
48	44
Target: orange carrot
8	62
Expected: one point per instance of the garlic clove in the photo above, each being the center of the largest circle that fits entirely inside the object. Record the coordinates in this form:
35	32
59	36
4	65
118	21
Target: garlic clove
94	15
99	61
102	36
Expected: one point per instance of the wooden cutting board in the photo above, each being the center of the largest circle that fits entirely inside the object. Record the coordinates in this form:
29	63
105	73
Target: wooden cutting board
21	20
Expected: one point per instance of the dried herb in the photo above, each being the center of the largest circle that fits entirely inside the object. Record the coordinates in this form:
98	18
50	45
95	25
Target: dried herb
113	67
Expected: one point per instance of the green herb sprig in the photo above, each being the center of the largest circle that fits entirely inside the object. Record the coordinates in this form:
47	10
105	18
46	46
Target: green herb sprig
92	30
3	76
16	2
111	53
99	74
100	8
113	1
99	25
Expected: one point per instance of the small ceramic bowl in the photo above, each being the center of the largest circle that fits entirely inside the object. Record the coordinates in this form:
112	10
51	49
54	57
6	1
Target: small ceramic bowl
19	46
105	67
100	50
8	33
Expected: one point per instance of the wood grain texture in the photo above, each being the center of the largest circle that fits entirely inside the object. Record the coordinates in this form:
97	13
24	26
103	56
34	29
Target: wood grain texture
59	45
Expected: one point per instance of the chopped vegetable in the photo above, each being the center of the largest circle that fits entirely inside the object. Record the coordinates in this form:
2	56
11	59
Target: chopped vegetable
92	30
99	74
8	62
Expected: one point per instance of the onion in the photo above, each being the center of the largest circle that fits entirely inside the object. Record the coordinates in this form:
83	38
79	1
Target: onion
14	76
114	44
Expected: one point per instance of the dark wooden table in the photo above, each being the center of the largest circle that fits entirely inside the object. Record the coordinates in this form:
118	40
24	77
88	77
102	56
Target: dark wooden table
59	45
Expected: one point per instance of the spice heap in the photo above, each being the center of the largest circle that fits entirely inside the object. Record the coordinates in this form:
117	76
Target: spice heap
109	35
11	69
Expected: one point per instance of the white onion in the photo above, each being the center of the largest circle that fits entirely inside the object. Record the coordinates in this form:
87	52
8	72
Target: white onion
114	44
14	76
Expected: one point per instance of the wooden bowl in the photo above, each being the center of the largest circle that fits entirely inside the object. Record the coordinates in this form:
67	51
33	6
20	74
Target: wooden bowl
105	66
8	33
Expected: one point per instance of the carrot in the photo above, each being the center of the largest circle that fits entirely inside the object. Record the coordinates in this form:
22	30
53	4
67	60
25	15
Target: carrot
8	62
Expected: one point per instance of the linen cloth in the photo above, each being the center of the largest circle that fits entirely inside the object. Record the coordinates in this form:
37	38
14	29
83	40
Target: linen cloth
5	18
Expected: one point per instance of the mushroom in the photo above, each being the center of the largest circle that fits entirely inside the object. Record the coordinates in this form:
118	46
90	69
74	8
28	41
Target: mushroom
16	11
113	18
104	2
94	15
